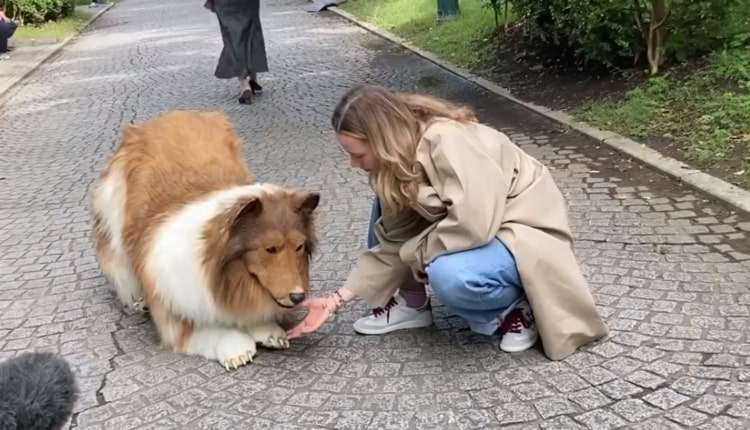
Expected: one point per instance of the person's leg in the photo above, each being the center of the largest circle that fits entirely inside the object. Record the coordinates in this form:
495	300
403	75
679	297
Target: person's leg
410	308
412	291
482	286
375	213
246	94
254	85
478	284
6	31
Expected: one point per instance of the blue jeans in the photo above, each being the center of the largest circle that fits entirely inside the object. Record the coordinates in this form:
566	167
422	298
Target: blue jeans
478	285
6	32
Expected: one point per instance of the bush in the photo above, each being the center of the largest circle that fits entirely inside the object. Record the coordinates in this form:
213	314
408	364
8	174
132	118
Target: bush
608	31
39	11
601	31
697	27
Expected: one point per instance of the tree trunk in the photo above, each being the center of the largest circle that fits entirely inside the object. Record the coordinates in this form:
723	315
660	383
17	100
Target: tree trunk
657	34
505	16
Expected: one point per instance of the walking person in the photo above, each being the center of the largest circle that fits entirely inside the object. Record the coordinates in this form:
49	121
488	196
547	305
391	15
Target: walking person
244	52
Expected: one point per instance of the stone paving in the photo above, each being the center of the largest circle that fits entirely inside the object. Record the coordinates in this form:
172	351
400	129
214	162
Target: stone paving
670	269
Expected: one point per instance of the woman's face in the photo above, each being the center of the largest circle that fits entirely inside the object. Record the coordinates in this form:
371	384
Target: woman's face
358	150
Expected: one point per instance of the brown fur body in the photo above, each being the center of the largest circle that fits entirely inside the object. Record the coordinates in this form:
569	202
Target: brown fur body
181	229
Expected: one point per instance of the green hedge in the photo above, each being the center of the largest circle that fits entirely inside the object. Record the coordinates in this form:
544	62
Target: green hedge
39	11
606	31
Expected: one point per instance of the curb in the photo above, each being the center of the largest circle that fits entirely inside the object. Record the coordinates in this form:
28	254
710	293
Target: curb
708	184
54	49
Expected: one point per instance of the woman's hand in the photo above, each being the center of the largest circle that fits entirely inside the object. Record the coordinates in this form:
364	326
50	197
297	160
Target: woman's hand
320	310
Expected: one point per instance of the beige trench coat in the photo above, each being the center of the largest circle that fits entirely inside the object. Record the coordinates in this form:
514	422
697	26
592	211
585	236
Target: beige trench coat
481	186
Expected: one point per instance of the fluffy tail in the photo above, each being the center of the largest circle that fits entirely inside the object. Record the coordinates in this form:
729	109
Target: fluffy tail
37	391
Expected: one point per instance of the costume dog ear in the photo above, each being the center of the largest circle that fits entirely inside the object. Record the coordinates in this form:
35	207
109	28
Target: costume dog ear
250	207
307	203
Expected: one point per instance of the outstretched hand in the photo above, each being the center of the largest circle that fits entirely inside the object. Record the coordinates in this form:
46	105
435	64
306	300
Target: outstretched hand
320	310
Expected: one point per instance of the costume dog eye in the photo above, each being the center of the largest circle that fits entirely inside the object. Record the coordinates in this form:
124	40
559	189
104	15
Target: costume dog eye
301	248
272	250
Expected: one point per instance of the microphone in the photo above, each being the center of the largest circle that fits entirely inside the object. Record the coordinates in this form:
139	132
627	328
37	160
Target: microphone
37	392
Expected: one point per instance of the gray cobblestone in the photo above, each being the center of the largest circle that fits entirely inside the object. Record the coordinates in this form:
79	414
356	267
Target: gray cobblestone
608	349
510	413
646	354
687	417
691	386
601	419
622	365
634	410
656	423
530	391
723	423
709	372
561	423
567	382
619	389
590	398
552	407
491	396
740	409
665	398
645	379
736	389
354	419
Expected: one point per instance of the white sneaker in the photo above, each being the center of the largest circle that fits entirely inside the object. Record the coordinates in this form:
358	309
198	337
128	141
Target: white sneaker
394	316
518	329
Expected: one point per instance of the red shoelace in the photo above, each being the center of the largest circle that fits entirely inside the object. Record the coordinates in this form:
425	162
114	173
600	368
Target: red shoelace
387	309
514	322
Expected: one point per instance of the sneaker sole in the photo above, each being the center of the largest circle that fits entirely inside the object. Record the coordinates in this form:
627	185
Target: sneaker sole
521	347
394	327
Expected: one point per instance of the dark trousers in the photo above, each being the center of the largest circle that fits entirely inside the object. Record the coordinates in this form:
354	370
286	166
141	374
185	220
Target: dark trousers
7	28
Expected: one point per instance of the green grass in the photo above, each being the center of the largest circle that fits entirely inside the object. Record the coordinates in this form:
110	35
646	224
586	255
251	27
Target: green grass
459	40
56	30
708	113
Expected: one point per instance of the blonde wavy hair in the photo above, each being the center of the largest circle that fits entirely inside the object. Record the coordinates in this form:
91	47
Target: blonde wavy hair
391	124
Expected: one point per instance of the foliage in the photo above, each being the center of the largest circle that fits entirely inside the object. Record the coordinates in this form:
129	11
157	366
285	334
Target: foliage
39	11
708	113
499	7
613	32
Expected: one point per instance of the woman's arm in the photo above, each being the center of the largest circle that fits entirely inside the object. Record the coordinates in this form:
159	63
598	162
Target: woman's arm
376	277
378	274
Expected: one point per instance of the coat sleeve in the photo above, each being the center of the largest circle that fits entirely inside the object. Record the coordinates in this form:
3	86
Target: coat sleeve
472	186
379	271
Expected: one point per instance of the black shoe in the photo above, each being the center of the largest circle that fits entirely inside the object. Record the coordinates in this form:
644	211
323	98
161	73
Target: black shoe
255	87
246	98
